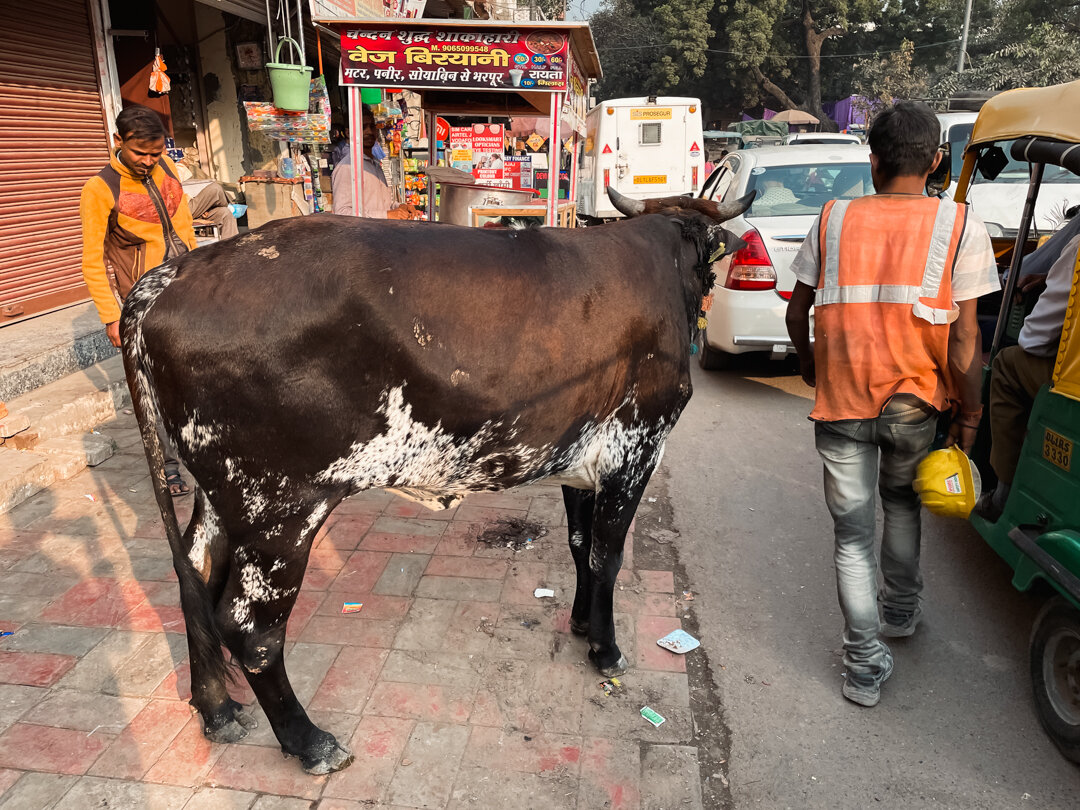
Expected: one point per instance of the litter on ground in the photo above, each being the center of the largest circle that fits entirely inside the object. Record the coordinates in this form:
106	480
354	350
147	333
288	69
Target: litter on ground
352	607
653	717
541	593
679	641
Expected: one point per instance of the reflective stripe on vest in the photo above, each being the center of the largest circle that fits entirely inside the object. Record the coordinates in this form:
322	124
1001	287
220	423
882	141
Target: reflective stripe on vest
831	292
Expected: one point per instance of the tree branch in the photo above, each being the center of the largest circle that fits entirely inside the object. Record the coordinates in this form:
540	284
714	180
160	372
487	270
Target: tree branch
774	90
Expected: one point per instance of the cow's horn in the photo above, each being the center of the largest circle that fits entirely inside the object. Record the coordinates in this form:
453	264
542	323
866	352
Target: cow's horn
624	204
726	211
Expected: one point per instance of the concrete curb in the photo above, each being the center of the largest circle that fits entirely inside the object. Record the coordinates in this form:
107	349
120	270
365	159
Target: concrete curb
54	442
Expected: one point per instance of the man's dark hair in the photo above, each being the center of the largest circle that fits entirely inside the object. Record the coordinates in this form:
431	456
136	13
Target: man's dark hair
905	139
140	123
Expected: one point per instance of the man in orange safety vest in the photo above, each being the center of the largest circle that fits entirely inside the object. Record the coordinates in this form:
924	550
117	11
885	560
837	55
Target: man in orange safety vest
893	279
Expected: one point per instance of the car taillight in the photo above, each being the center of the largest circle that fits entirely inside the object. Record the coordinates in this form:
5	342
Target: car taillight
751	268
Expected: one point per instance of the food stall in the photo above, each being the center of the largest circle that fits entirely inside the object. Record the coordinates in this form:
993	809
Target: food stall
477	68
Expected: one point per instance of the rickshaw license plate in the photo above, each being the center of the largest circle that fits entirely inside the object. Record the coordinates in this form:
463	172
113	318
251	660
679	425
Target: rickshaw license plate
1057	449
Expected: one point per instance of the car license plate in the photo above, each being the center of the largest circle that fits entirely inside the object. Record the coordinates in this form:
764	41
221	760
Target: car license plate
1057	449
650	179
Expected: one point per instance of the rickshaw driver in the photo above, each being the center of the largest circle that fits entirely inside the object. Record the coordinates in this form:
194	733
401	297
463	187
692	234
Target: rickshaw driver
1020	371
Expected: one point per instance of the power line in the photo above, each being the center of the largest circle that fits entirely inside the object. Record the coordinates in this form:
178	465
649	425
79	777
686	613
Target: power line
782	55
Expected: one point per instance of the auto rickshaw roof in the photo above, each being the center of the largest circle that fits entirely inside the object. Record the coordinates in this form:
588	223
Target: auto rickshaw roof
1044	112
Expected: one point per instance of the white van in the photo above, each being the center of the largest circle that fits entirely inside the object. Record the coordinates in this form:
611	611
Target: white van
1000	204
642	147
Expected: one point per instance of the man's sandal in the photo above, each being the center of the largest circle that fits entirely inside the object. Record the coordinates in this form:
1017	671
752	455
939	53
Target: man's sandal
178	487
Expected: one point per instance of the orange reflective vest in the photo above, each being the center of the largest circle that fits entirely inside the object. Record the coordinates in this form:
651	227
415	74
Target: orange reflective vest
884	303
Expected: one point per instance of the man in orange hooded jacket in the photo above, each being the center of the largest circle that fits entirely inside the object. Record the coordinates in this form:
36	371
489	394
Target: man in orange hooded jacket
134	217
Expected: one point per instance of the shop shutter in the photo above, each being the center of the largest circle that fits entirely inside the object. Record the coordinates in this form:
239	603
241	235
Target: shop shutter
53	137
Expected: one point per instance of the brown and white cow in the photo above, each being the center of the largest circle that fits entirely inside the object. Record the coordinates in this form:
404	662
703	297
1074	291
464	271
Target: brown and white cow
317	357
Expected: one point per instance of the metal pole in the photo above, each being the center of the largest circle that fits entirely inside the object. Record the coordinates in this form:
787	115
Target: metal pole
433	154
554	153
964	38
356	148
1017	257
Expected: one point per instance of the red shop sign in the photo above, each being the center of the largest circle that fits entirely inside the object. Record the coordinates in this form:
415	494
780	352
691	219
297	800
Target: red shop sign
508	59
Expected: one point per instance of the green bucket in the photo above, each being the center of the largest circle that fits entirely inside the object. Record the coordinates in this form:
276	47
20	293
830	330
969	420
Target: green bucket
291	83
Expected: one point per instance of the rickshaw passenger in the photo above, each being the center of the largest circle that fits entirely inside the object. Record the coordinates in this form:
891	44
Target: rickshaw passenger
1020	371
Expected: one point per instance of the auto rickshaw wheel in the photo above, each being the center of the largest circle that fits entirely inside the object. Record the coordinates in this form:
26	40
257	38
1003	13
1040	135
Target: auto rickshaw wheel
1055	674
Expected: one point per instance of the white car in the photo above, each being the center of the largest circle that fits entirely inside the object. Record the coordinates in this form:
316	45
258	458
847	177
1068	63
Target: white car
754	284
830	138
1000	203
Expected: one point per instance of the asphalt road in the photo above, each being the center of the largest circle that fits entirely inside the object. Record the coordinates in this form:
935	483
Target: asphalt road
955	727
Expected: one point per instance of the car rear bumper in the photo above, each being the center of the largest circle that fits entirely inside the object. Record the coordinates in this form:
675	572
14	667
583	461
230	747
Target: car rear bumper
748	321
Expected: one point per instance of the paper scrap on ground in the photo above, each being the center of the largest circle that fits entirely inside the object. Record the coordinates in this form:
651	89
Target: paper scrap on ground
679	641
540	593
351	607
653	717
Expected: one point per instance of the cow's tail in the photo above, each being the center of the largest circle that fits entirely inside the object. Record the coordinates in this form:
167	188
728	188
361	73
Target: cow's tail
204	637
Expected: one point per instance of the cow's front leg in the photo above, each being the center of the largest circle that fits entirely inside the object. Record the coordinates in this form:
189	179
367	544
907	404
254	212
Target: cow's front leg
616	502
254	612
579	519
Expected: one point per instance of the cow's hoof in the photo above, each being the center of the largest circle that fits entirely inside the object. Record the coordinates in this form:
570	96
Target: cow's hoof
609	670
618	668
231	724
579	628
328	756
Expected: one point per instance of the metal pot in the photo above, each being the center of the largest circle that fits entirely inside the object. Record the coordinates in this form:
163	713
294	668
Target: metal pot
455	199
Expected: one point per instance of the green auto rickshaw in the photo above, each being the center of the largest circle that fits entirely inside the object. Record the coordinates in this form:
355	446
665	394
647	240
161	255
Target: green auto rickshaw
1038	534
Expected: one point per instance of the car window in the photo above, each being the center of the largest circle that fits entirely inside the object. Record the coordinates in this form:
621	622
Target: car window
802	190
719	182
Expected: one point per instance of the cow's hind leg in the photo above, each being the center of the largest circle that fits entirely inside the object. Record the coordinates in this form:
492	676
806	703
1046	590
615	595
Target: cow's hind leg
579	519
264	579
224	720
616	502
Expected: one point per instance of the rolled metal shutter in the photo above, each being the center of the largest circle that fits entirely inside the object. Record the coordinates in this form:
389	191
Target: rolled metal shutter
54	138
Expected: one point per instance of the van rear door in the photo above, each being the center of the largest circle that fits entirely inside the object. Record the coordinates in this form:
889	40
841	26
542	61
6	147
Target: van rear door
652	150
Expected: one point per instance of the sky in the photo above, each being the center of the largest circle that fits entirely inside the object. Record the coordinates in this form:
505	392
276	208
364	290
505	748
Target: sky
581	9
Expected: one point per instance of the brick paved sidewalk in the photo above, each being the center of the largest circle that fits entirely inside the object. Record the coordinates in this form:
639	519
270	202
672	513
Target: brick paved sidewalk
454	686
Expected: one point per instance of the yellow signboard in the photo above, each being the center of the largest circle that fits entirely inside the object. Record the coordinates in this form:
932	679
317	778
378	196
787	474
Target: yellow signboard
650	113
535	141
650	179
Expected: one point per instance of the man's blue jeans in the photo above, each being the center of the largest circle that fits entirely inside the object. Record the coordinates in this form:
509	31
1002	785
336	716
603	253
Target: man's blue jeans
849	449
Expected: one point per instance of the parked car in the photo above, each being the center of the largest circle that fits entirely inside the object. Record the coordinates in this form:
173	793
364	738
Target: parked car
808	138
1000	202
754	284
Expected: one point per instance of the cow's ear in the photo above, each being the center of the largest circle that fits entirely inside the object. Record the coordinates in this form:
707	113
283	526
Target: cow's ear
723	242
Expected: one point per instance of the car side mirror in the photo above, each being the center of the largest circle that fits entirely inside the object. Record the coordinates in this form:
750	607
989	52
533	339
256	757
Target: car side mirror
940	178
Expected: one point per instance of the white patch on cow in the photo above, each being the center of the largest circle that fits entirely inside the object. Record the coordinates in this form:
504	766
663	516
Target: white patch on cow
422	336
255	587
269	252
278	565
577	539
650	356
203	537
249	238
425	463
313	521
196	436
457	377
391	290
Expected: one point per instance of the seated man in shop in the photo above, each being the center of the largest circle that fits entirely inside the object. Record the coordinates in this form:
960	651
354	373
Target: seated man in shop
378	200
1020	371
206	197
